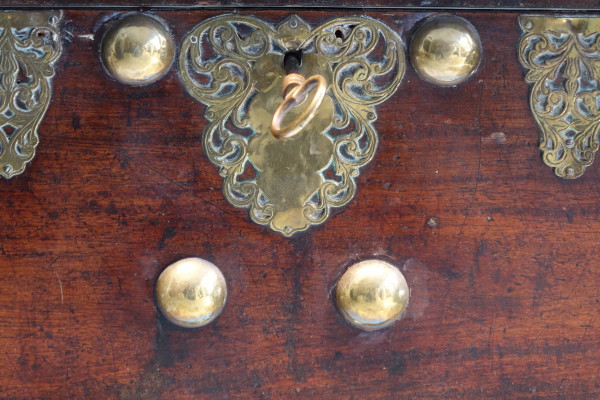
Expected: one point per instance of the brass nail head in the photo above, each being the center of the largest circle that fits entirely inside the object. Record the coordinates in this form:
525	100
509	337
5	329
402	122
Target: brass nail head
372	294
445	50
137	50
191	292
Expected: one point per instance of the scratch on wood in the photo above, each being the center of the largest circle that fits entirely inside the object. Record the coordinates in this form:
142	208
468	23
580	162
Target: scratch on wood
62	298
477	176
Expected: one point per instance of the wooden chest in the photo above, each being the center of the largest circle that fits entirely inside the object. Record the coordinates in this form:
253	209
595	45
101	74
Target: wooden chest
500	254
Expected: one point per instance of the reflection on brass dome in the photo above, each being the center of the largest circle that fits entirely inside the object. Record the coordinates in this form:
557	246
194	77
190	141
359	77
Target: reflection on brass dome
372	294
191	292
445	50
137	50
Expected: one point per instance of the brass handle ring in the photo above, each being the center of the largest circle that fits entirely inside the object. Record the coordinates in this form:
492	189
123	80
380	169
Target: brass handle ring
295	90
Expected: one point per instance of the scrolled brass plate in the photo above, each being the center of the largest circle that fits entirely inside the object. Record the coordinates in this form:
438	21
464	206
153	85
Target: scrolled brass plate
234	65
29	46
560	54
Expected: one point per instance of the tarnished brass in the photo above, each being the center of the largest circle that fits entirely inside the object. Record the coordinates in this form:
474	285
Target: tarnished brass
29	46
191	292
234	65
295	91
137	50
445	50
372	294
561	56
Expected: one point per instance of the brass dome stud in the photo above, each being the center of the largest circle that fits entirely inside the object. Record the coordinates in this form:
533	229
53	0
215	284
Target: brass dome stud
137	50
191	292
372	294
445	50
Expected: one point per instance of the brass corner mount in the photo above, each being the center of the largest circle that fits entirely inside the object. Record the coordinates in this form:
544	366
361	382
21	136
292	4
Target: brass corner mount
29	46
560	54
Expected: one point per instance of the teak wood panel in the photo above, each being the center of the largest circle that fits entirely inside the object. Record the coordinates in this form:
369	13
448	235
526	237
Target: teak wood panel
505	294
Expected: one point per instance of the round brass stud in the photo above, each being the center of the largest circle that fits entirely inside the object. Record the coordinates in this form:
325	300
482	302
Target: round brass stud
137	50
191	292
445	50
372	294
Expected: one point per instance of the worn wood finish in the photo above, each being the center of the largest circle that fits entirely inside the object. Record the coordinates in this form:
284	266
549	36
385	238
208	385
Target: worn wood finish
505	283
208	4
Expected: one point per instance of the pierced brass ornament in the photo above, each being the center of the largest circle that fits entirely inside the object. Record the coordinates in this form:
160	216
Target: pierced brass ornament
372	294
561	56
234	65
29	47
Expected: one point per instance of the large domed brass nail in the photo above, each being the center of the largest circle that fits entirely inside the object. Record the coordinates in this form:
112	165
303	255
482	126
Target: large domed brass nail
191	292
445	50
372	294
137	50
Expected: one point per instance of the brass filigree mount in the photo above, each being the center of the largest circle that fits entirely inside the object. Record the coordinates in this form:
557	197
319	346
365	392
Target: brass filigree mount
29	47
561	55
234	65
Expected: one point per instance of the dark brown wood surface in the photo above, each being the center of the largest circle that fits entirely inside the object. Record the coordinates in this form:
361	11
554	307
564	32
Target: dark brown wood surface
311	4
505	289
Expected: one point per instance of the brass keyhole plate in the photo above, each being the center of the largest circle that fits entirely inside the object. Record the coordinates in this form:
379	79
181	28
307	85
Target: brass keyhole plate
233	65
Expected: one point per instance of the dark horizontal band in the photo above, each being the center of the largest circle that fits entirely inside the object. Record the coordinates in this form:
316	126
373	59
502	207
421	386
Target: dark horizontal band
506	5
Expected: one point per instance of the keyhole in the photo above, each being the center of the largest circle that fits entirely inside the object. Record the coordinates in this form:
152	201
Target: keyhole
292	60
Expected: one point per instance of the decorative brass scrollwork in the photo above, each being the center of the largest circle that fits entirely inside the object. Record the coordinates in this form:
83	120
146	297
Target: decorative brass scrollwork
563	62
234	65
29	46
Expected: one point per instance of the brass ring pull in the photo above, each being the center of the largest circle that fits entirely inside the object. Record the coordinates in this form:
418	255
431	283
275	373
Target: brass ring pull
295	90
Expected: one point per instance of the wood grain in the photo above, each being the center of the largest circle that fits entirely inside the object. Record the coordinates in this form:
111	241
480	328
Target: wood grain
505	291
518	5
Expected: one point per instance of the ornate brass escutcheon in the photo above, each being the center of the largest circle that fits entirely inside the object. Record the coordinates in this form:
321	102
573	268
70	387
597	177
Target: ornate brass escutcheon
29	46
234	65
561	56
